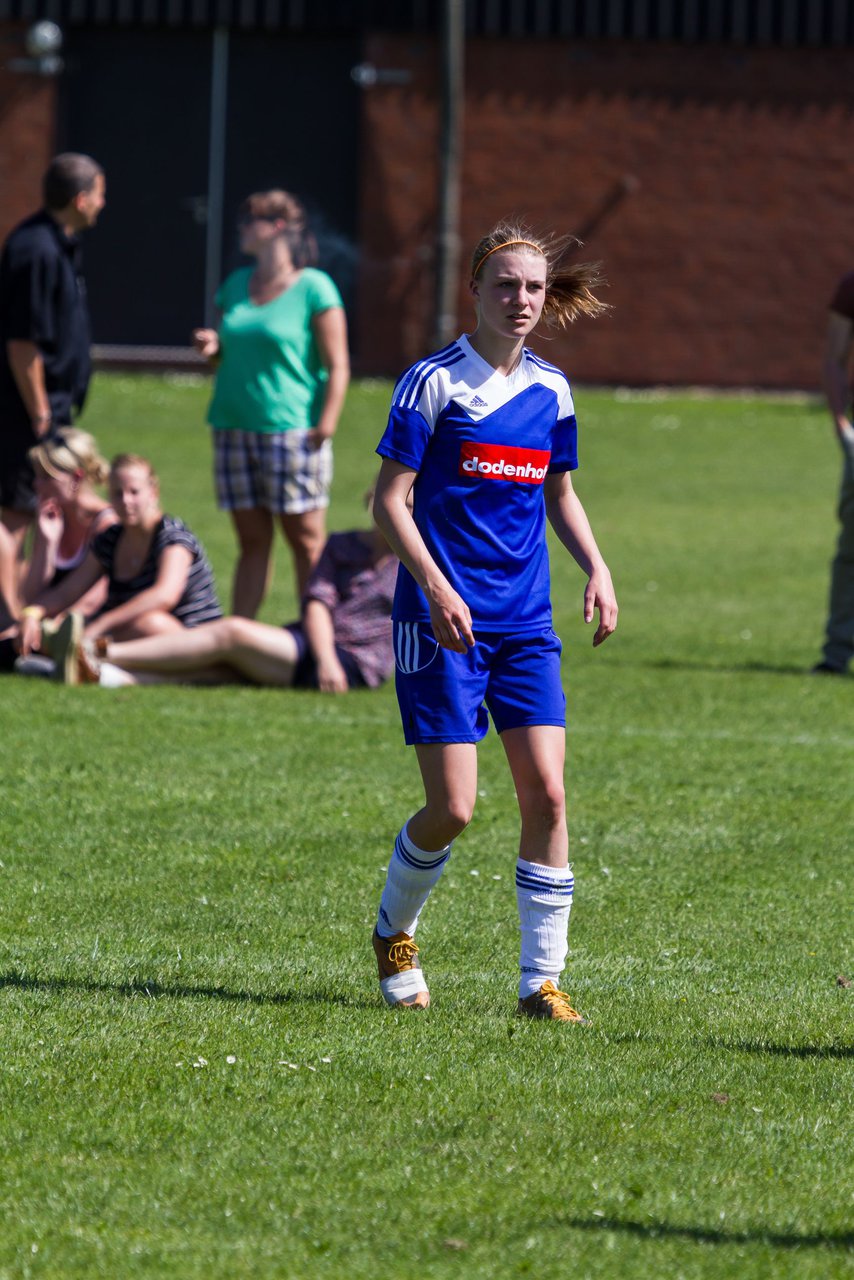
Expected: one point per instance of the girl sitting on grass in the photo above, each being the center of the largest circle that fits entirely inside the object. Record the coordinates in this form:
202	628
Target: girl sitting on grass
158	576
68	466
342	640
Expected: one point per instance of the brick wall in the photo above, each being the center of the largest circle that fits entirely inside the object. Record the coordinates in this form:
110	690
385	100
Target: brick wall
715	185
720	261
27	130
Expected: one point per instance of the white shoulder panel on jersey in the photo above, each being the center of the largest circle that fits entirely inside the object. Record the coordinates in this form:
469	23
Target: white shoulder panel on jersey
427	386
550	376
458	373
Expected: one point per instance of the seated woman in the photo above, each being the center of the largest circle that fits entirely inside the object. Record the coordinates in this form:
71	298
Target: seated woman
158	576
342	641
67	468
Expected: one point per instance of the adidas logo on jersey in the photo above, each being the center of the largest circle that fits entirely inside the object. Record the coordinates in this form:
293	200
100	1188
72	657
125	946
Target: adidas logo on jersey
504	462
477	403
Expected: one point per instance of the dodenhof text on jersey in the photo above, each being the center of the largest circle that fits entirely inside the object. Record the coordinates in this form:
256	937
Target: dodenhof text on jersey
504	462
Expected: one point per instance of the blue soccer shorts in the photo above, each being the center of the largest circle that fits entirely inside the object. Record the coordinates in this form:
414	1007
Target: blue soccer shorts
442	693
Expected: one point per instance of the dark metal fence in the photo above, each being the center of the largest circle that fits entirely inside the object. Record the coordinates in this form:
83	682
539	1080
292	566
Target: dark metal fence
781	23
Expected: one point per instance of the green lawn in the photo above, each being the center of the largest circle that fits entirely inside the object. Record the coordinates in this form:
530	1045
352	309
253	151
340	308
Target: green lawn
197	1076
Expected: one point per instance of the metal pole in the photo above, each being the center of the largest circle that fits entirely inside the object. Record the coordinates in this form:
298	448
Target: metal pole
448	238
216	171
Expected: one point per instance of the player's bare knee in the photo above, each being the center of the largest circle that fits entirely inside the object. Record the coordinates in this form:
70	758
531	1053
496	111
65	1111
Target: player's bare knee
544	800
458	815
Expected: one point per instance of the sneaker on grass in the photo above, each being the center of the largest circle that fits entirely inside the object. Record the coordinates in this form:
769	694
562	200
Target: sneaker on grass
401	980
112	677
36	664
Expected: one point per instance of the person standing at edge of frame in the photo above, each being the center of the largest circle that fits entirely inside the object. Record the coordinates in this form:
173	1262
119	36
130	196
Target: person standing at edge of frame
45	363
282	374
839	634
483	435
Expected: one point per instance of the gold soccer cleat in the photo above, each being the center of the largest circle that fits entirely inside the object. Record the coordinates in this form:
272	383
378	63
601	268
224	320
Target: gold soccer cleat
548	1002
401	980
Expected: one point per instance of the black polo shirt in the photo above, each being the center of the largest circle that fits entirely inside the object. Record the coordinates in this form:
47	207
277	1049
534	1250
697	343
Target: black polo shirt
43	300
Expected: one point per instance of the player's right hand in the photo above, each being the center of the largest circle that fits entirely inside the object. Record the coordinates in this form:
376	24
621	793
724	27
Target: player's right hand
451	620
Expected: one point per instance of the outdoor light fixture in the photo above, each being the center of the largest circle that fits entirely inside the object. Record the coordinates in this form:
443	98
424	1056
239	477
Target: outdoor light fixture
366	75
43	43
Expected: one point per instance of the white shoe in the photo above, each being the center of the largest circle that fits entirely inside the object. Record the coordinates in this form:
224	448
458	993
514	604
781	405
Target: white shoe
112	677
36	664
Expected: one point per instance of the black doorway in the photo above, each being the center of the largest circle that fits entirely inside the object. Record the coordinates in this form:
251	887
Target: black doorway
140	102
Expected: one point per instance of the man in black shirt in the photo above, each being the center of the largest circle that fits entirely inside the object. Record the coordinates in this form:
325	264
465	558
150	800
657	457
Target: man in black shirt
44	327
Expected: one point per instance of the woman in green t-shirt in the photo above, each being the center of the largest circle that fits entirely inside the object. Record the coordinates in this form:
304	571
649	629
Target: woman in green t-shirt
282	374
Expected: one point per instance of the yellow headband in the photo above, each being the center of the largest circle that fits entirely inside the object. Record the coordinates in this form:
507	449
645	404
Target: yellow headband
506	245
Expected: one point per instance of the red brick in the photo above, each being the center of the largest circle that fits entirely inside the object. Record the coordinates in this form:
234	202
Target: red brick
720	264
27	128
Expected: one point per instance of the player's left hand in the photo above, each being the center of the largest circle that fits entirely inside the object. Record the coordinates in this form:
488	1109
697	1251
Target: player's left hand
599	594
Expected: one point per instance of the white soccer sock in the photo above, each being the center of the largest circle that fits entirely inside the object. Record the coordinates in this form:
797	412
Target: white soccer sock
544	897
412	873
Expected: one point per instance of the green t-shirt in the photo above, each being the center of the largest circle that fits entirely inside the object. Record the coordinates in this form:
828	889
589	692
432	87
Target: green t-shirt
270	377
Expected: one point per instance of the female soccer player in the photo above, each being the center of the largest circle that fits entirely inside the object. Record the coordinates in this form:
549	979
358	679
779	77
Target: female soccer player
482	435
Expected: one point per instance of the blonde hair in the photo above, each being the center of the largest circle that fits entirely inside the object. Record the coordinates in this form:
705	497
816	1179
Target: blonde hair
70	452
569	288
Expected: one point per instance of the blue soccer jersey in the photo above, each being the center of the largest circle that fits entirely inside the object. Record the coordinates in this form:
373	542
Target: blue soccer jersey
482	445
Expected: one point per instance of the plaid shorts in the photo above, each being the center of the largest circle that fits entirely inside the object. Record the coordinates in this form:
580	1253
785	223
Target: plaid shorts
277	470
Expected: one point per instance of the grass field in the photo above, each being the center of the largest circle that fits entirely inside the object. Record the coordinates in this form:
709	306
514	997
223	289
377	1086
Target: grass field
197	1077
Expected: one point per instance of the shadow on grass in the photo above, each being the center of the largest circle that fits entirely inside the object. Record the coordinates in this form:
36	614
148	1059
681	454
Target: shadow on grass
710	1235
788	1050
153	990
724	669
830	1051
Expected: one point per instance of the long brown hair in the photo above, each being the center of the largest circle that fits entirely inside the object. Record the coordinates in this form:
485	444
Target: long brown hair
278	204
569	286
